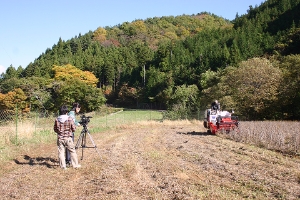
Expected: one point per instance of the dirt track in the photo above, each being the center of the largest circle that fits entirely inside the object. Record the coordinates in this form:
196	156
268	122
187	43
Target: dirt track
155	161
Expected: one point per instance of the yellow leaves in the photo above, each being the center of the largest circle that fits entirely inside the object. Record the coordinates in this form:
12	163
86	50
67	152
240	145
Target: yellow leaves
182	31
199	29
140	26
100	34
69	72
171	35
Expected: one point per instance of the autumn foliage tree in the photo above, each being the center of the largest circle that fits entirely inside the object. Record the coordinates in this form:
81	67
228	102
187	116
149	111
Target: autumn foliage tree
100	34
128	95
14	99
253	87
74	85
90	98
69	72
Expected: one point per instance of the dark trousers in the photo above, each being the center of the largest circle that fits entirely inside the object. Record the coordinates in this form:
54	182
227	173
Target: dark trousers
68	155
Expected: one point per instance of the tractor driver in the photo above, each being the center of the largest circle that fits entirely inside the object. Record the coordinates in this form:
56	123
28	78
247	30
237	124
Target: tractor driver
215	106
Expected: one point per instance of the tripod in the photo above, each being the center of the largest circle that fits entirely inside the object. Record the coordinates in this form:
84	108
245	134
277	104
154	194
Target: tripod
82	140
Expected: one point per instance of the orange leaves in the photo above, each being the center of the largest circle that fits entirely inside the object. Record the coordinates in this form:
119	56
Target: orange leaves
69	72
13	98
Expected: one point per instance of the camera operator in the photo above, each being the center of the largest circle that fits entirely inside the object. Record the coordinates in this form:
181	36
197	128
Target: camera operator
72	114
64	126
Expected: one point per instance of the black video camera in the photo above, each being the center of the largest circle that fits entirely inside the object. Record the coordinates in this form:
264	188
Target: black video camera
84	120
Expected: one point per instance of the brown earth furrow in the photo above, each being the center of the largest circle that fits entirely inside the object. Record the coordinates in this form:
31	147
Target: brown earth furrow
154	160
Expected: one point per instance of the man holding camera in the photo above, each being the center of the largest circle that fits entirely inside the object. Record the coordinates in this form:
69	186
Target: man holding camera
64	126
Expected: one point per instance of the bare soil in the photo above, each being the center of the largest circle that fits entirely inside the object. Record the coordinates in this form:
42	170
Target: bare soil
154	160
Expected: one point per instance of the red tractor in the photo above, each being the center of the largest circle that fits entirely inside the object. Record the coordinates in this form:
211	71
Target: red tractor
220	121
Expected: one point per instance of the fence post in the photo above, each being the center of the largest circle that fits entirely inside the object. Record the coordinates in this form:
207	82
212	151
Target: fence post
16	123
115	116
106	119
36	119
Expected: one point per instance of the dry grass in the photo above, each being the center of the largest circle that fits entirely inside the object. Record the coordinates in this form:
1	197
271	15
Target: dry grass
15	137
282	136
24	130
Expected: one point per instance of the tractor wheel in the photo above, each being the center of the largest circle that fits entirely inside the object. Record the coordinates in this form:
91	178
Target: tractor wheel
205	124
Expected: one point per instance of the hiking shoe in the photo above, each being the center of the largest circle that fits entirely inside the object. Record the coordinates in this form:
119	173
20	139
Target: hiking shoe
68	164
77	166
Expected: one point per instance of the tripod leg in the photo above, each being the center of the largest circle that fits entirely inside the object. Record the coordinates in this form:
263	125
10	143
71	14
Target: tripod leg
82	141
83	145
79	141
94	145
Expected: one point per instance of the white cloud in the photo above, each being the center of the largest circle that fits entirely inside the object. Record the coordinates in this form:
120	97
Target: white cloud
2	69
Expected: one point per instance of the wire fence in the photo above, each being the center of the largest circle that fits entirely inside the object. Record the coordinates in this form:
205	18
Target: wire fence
17	126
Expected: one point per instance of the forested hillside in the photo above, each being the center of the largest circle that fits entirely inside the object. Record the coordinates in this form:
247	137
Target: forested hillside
179	63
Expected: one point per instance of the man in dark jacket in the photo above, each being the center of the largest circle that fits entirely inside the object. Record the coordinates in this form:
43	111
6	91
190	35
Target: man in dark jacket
64	126
215	106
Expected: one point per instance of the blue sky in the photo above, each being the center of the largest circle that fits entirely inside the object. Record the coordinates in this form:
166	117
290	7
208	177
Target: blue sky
29	27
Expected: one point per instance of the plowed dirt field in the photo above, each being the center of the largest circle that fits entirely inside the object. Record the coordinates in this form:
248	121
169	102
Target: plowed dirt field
154	160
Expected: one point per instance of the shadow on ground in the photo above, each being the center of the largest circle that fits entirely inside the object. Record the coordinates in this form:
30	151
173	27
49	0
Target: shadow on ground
48	161
195	133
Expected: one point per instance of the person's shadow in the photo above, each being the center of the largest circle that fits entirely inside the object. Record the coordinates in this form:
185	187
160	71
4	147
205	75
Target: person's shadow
48	161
